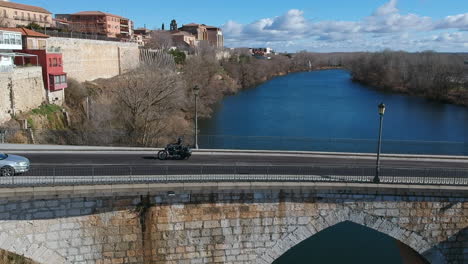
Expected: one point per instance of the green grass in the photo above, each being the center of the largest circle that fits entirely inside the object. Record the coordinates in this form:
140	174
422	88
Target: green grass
46	109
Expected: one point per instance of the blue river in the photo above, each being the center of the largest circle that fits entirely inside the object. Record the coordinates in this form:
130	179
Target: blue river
326	111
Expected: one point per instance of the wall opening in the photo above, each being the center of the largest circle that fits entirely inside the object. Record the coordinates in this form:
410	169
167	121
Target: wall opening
348	242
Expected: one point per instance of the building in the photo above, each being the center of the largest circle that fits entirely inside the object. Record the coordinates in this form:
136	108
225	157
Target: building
30	38
14	14
35	51
215	36
97	22
261	51
202	32
141	36
183	38
198	30
9	41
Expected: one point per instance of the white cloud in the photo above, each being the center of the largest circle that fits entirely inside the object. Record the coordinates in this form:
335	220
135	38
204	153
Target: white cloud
386	27
386	9
457	21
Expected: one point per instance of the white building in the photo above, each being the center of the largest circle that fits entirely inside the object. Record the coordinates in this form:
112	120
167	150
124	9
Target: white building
9	41
262	51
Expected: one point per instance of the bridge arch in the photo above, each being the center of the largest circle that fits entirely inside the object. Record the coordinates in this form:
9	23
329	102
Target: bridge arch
328	219
21	246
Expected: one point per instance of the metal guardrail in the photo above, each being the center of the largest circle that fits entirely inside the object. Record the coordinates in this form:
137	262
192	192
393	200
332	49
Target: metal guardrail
98	175
118	138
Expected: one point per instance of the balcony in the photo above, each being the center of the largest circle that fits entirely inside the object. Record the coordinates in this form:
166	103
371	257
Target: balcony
6	68
58	86
57	82
10	40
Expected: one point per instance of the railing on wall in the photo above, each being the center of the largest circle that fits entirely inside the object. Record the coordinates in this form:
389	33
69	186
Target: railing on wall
99	175
80	35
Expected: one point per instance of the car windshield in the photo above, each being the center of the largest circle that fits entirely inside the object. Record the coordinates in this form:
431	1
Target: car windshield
3	156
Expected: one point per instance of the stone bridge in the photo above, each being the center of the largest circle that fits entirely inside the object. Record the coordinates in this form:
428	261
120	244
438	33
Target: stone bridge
222	222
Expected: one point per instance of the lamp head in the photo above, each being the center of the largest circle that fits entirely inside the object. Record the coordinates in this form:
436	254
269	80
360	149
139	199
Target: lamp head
196	90
381	109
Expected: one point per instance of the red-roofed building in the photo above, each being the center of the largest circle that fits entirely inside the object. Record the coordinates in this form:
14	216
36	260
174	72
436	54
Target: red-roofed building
31	39
203	32
15	14
183	38
98	22
49	58
215	36
198	30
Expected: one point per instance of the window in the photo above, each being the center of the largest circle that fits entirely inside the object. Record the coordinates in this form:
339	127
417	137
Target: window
58	79
42	44
50	62
55	62
59	61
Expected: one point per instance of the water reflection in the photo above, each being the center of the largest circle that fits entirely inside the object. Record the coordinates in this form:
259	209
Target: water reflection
328	105
350	243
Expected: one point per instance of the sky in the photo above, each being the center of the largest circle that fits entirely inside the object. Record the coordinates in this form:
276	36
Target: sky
294	25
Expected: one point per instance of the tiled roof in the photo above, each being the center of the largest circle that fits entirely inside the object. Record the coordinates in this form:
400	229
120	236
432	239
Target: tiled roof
61	20
95	13
24	7
26	32
192	25
182	33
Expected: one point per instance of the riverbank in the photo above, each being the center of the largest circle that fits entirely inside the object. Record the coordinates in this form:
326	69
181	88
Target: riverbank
441	77
326	111
456	96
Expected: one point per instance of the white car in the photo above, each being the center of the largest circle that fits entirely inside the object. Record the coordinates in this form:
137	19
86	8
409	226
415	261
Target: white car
13	164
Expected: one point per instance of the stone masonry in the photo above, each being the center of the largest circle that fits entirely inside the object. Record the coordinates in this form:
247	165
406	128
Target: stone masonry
20	91
87	60
243	223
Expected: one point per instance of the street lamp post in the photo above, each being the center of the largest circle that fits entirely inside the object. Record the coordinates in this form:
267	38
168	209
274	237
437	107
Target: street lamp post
379	144
196	92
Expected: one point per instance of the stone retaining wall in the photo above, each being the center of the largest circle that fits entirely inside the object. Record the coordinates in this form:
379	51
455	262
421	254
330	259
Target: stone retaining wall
87	60
20	91
222	226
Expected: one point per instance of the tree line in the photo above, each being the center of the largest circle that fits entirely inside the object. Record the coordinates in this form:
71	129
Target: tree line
154	104
438	76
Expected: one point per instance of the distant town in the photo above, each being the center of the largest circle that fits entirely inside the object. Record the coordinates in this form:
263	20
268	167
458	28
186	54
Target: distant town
47	49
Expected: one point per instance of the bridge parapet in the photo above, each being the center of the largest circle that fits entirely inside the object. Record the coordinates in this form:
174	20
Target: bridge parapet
252	222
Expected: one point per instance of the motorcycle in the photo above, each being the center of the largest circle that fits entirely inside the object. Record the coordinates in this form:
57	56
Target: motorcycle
175	151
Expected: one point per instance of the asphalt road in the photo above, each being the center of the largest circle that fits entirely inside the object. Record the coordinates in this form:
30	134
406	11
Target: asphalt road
77	164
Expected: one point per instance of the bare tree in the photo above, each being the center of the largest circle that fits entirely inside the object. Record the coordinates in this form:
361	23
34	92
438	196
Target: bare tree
160	40
144	100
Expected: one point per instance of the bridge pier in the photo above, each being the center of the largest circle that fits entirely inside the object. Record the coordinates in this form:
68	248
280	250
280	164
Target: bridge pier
221	222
